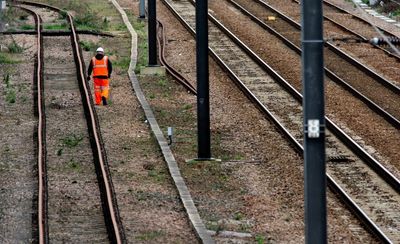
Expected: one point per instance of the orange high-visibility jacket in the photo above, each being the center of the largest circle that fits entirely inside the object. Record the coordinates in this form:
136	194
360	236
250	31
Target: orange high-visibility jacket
100	66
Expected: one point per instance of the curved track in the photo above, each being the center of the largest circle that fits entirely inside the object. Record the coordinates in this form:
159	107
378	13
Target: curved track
112	227
161	40
373	194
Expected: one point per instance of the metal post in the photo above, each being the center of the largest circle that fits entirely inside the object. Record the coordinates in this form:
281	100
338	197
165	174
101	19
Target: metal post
314	121
152	33
142	10
203	106
2	10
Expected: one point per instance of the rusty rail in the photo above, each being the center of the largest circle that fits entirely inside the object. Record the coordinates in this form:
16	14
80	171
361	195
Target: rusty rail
110	210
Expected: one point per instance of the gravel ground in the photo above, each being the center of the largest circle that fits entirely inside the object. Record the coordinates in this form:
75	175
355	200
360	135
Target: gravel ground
375	21
271	206
17	147
368	129
148	202
258	188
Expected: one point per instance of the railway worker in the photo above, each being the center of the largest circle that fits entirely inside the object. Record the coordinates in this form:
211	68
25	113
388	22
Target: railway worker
102	69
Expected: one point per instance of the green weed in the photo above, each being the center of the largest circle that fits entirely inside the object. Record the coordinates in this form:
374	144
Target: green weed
13	47
187	106
10	90
27	27
72	140
162	82
11	96
159	176
5	59
61	26
238	216
88	46
6	80
123	62
214	226
150	235
74	165
260	239
63	14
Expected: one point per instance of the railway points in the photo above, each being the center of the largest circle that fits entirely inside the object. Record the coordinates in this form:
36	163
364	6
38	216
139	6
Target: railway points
155	195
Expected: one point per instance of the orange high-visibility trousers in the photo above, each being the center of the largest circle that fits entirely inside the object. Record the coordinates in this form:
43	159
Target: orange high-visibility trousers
100	89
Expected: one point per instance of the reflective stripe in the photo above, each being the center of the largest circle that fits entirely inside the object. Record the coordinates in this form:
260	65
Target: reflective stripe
100	67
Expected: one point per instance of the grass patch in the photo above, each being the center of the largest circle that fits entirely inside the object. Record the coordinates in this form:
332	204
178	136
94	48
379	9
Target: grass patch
238	216
150	235
61	26
162	82
11	95
72	164
6	59
142	59
27	27
122	62
88	46
63	14
260	239
90	20
72	140
13	47
157	175
214	226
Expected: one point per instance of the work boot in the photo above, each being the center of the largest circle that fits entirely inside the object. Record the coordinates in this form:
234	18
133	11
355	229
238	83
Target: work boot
104	100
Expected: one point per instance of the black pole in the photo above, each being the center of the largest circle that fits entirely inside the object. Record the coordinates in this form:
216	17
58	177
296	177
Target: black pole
142	9
314	121
152	33
203	106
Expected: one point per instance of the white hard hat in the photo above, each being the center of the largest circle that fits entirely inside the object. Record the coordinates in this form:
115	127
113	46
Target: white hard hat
100	49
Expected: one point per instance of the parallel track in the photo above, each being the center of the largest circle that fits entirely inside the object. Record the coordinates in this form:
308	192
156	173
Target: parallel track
110	211
365	33
381	111
381	87
378	200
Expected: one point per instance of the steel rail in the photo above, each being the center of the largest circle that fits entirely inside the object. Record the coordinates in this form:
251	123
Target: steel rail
299	148
358	34
161	40
41	134
56	33
354	16
116	236
375	107
42	226
346	139
111	214
347	57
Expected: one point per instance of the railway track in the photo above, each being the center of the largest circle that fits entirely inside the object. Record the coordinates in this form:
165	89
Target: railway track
75	198
161	41
372	88
368	129
372	194
353	24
